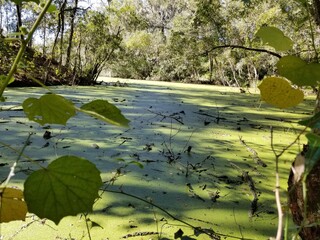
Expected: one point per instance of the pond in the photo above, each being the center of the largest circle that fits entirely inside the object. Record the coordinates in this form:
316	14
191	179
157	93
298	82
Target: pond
190	150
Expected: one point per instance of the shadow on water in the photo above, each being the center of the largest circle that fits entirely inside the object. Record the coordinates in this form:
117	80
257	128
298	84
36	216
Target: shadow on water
186	137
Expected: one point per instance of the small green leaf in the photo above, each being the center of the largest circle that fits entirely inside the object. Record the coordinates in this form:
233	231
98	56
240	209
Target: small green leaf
52	8
50	108
278	92
140	165
68	186
298	71
275	38
313	122
105	111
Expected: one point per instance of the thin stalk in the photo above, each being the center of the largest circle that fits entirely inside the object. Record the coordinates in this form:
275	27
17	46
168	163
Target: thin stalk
22	155
23	47
277	190
286	226
87	225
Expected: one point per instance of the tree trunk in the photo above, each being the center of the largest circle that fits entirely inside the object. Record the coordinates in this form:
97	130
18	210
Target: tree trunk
19	22
73	15
62	12
59	26
210	67
309	227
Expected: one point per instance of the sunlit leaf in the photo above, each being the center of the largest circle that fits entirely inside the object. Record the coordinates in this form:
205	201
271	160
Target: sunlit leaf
68	186
298	71
105	111
278	92
49	108
275	38
52	8
12	205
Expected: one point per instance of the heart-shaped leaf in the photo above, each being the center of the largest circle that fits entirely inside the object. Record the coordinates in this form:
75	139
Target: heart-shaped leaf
298	71
278	92
12	205
105	111
68	186
275	38
49	108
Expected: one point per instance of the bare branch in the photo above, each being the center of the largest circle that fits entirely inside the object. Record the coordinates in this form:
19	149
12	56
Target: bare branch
245	48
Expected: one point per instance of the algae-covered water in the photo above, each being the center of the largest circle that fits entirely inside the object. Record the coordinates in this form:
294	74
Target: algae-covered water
186	137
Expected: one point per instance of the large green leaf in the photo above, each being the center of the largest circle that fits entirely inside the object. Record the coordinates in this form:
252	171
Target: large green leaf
275	38
278	92
49	108
105	111
68	186
298	71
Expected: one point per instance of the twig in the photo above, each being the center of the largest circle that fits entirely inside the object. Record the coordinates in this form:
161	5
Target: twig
248	179
254	155
212	234
158	207
171	116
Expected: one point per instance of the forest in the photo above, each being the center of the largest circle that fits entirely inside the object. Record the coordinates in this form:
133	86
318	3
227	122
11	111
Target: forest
189	41
148	119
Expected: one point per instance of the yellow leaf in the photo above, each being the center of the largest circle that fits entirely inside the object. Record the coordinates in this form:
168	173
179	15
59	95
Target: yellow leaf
12	205
279	92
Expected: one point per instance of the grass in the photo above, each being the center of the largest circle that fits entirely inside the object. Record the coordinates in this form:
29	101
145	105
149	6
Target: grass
213	120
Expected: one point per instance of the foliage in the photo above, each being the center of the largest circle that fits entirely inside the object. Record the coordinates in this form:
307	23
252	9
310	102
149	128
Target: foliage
169	41
105	40
278	92
49	108
105	111
68	185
